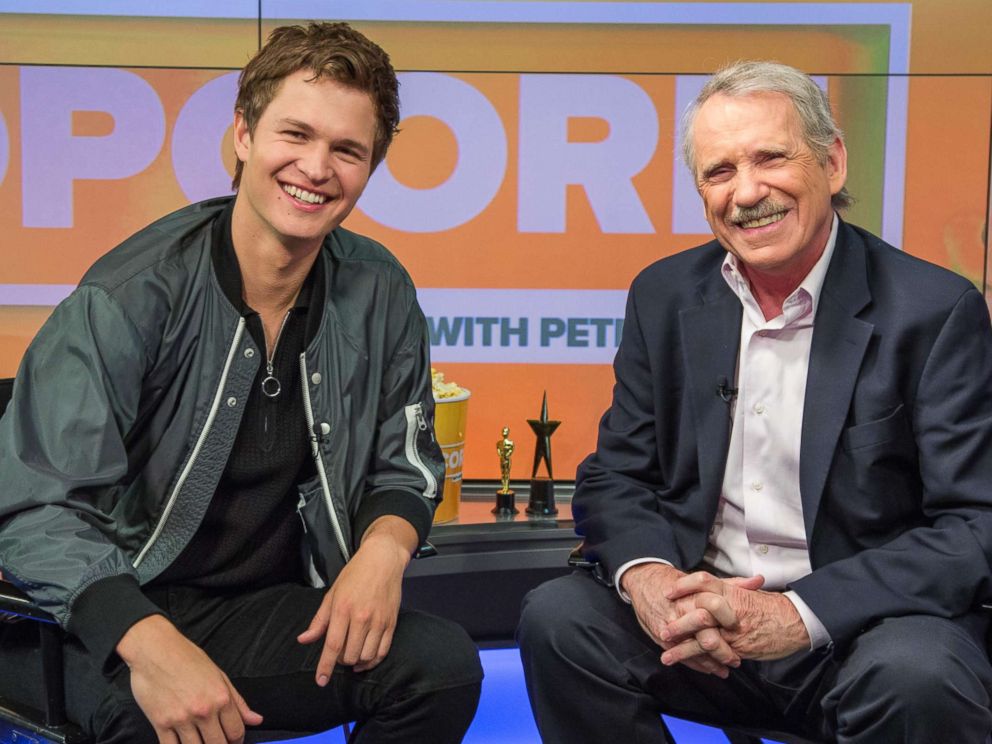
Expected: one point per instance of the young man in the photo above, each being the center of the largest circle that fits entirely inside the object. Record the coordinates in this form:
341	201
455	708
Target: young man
790	503
231	411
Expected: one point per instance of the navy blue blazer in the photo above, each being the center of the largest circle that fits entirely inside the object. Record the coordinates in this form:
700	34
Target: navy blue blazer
896	452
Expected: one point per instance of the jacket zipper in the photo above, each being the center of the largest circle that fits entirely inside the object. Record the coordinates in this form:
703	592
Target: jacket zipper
415	420
319	461
197	447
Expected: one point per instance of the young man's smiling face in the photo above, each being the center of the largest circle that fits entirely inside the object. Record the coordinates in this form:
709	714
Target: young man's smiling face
307	161
767	196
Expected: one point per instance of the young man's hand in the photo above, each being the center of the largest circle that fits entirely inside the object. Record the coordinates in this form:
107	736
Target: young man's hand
357	618
185	696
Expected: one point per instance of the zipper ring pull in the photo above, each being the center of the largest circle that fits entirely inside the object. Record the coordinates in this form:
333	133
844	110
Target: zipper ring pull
271	387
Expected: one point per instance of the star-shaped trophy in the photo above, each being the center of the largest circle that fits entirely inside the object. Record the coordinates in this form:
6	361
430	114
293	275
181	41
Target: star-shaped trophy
542	490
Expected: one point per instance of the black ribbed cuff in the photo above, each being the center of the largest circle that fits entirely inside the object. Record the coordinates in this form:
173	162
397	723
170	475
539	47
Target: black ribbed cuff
104	612
396	503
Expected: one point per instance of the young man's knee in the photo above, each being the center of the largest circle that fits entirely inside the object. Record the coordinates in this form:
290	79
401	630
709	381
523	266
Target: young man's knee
436	653
461	661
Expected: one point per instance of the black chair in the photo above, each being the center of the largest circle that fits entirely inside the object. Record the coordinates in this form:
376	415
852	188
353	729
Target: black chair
29	723
737	735
16	719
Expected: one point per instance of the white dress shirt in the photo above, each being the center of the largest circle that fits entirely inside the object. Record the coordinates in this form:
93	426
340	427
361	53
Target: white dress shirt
759	527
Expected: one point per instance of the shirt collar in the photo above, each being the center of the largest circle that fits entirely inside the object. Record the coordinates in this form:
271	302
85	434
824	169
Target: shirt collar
228	270
809	288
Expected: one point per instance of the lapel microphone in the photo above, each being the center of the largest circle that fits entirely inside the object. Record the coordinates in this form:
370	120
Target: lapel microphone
725	392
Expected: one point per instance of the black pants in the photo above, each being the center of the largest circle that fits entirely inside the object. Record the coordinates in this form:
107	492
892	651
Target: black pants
426	690
593	675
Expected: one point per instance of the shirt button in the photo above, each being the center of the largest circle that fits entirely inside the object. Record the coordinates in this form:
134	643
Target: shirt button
757	485
759	408
315	378
232	402
763	549
249	353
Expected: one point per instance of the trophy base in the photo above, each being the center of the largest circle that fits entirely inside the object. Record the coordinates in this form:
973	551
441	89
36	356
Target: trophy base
542	498
505	504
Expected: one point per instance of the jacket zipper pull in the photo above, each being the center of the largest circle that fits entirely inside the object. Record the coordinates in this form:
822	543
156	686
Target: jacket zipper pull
421	421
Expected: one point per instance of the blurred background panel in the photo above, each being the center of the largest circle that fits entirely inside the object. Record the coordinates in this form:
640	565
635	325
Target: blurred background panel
535	174
221	33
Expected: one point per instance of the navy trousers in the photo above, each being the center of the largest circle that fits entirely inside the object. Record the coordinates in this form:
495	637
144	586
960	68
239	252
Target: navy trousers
593	675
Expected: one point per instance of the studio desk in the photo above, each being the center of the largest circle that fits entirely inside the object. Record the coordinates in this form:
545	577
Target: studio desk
485	565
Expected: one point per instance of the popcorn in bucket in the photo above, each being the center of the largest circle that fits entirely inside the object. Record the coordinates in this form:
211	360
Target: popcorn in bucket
450	415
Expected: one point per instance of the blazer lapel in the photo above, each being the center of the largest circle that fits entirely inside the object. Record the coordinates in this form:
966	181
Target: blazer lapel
710	340
839	343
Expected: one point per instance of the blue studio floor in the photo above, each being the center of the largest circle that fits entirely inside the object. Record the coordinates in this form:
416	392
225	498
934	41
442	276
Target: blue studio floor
504	713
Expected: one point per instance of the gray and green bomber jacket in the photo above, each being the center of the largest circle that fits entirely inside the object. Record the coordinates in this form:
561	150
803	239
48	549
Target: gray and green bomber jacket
128	401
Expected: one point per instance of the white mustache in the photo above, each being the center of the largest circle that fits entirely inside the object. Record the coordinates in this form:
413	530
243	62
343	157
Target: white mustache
758	211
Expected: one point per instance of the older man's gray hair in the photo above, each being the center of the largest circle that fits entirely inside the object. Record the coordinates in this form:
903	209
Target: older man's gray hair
819	129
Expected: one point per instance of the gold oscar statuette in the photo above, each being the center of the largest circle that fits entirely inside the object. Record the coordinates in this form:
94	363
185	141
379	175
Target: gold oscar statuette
505	495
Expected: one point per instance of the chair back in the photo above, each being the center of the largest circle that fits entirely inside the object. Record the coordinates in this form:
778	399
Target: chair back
6	391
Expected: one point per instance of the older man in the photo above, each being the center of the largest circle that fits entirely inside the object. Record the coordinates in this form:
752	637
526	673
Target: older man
790	503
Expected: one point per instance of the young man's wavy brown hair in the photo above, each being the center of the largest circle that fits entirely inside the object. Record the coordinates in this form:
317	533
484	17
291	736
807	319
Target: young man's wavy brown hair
332	50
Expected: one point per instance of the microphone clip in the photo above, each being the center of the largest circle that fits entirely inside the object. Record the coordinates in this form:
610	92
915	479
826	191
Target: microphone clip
726	393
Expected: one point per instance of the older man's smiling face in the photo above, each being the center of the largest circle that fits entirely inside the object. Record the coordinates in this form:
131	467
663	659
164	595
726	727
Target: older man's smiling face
766	195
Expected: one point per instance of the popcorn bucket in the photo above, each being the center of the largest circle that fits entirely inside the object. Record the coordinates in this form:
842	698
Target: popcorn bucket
450	415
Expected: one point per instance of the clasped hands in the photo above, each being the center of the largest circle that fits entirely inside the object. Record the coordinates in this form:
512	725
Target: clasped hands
711	624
